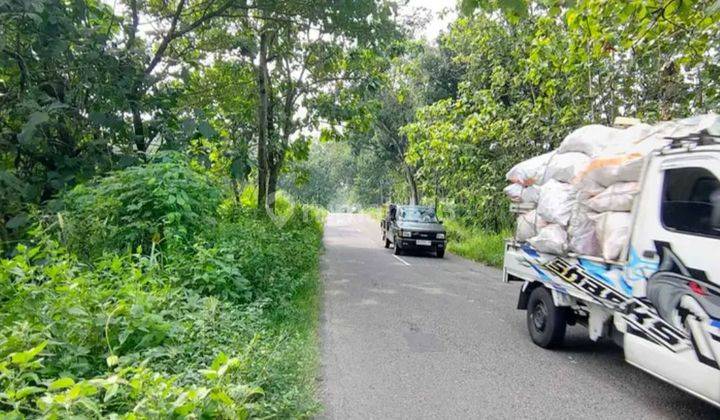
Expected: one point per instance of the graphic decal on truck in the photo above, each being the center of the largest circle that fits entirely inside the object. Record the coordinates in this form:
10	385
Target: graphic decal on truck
577	276
642	318
681	311
685	298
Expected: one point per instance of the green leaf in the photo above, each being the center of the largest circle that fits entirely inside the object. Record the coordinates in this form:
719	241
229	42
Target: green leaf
219	360
518	7
29	355
17	221
206	130
28	390
110	392
28	130
77	311
61	383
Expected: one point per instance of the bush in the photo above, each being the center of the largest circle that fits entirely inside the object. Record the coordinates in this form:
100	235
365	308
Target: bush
477	244
223	326
165	202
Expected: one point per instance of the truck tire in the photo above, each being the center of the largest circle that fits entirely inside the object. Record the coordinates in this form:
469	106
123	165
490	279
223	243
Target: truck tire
387	242
397	250
440	253
546	322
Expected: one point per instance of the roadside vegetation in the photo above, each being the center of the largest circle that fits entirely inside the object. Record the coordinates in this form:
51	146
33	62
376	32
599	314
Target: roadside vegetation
141	276
476	244
509	80
182	303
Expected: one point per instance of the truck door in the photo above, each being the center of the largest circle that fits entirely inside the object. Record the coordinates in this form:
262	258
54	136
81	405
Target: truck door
675	231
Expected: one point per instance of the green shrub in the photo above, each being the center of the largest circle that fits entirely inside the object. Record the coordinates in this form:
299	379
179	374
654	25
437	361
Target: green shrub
165	202
222	326
476	244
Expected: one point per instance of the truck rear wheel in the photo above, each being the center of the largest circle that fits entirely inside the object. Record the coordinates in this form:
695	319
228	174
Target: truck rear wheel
387	243
546	322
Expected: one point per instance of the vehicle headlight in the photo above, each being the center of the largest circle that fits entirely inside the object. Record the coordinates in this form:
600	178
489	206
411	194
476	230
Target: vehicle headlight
440	235
406	234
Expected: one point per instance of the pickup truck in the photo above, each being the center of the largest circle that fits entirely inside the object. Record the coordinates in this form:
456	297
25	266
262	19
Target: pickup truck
660	301
413	227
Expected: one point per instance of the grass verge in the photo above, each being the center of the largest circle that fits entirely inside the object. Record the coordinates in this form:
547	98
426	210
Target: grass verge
376	213
476	244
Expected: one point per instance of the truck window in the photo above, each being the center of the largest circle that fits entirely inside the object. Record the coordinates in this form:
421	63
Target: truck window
689	195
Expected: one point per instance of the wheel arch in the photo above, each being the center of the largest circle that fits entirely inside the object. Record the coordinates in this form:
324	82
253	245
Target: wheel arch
527	288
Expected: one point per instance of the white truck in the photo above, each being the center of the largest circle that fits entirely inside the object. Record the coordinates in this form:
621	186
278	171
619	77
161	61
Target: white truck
661	300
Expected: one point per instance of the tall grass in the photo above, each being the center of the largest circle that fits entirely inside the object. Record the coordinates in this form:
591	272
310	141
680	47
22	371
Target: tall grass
476	244
376	213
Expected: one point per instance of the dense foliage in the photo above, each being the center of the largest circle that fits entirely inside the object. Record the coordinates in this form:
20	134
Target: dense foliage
511	78
163	203
222	326
88	87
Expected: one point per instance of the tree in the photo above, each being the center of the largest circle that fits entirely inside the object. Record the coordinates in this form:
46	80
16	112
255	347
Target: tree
531	74
302	52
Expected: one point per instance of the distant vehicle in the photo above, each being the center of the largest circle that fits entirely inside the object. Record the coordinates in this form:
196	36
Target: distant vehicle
661	300
413	227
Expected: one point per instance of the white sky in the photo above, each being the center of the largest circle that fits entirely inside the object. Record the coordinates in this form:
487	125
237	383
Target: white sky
436	8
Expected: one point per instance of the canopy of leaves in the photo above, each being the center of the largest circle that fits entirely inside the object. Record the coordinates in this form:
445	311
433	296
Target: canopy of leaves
528	80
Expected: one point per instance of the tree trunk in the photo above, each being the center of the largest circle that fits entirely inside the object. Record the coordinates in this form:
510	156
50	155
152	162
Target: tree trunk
275	150
410	177
138	127
272	186
262	154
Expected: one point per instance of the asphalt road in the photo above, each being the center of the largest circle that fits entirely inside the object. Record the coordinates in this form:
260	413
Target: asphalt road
420	337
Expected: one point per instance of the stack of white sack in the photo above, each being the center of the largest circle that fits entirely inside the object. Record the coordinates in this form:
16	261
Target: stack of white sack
526	178
609	183
584	191
528	225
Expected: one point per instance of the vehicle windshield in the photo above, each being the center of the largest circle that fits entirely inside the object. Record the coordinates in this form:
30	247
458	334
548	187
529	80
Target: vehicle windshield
418	214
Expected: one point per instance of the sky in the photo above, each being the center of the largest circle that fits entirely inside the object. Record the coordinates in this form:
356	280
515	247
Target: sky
435	7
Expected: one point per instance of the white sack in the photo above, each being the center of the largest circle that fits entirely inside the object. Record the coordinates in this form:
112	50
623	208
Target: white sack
617	197
587	189
609	170
530	194
514	192
528	225
551	239
556	202
564	167
613	231
581	232
632	135
623	161
590	139
519	194
529	172
685	126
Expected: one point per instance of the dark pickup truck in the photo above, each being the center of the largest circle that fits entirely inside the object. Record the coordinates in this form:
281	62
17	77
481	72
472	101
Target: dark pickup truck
413	227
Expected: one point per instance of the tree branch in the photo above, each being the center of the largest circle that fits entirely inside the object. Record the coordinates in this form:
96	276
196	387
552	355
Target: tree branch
169	36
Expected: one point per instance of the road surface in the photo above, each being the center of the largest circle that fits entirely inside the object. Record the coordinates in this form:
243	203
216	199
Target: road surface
420	337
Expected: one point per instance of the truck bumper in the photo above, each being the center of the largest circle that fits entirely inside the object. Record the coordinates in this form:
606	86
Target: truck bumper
412	244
